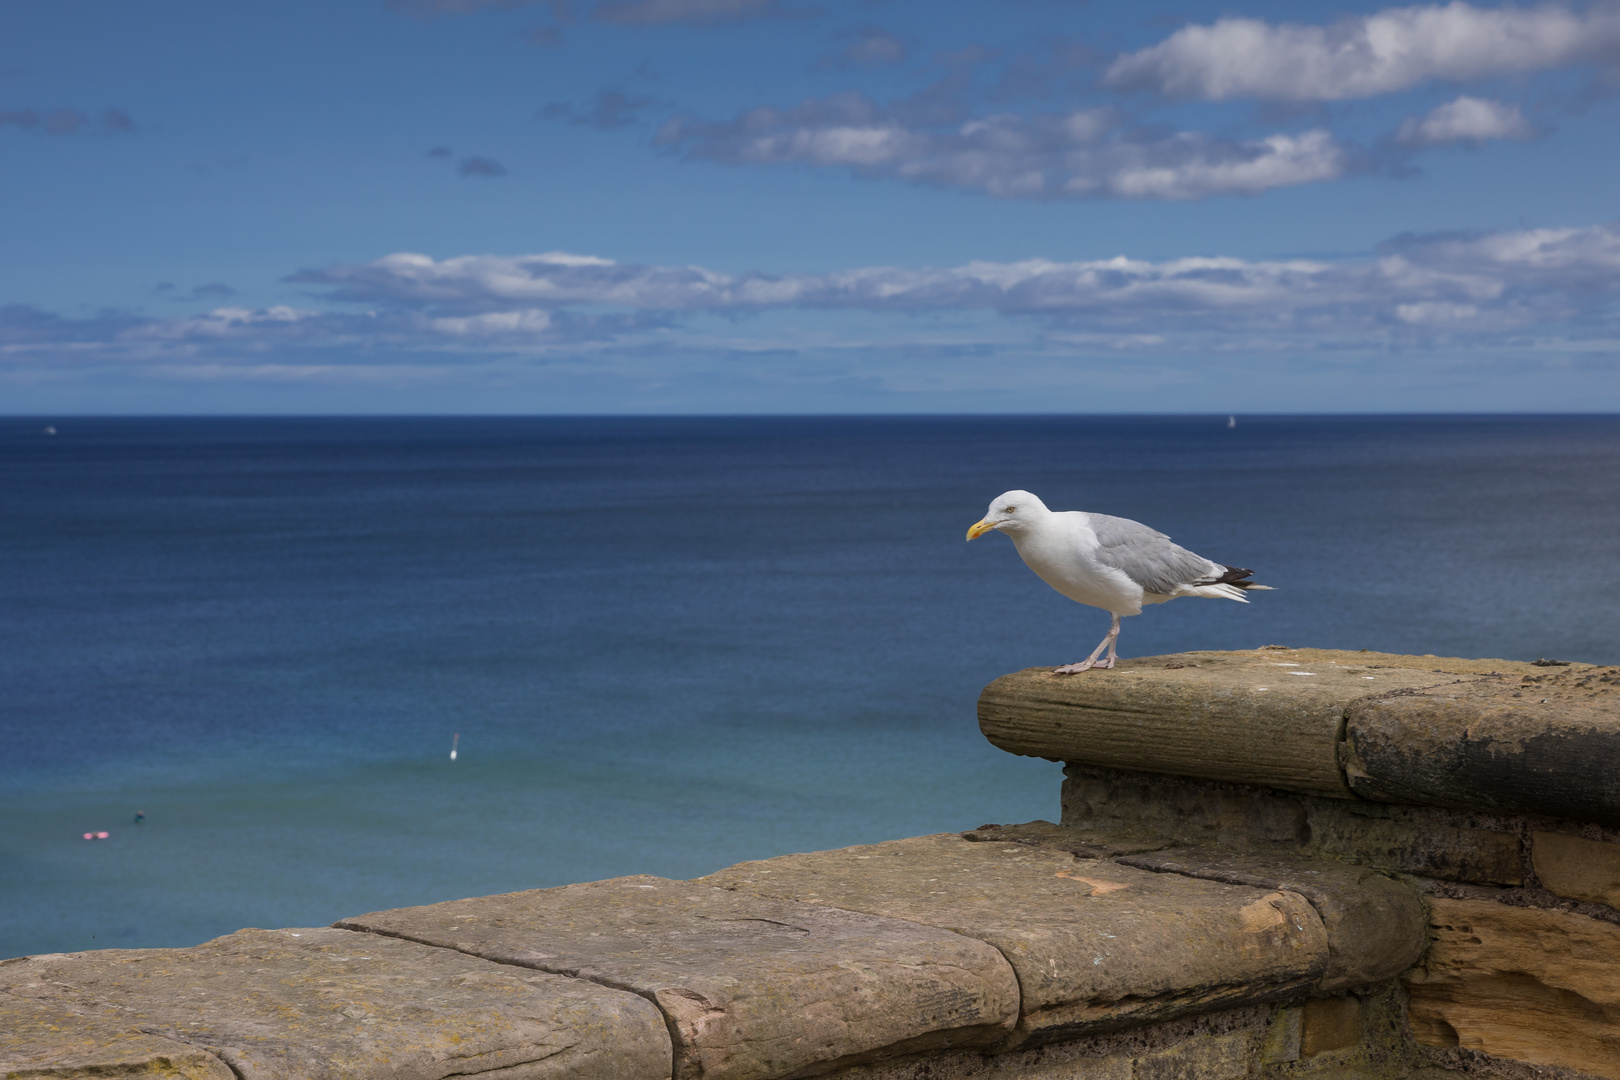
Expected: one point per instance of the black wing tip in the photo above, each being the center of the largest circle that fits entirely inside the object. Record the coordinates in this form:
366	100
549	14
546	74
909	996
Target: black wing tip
1235	576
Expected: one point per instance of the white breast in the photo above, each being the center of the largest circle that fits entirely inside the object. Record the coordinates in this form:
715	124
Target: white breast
1061	550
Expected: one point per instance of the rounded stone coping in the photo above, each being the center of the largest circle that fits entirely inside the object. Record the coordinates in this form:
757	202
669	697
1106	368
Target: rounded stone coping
316	1003
1096	945
1546	744
1336	724
773	970
751	988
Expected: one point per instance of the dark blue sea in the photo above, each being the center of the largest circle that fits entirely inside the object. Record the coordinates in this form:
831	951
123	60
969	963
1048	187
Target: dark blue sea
666	644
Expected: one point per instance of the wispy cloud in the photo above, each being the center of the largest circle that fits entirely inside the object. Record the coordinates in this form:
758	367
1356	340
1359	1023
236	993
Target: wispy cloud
620	12
245	339
24	329
485	167
68	121
1081	154
692	12
1367	55
1561	286
545	37
429	8
1504	279
863	47
481	166
606	110
214	291
1467	119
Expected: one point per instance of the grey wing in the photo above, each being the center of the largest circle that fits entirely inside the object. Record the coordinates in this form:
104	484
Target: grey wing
1147	556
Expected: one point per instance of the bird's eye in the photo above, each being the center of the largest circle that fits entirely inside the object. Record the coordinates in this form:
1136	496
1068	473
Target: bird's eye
1008	509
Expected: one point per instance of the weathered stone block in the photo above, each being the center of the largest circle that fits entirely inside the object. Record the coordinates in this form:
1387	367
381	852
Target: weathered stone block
1578	868
1426	841
1203	1057
1376	927
1521	983
1281	1044
1535	744
322	1004
40	1039
752	987
1177	811
1096	945
1329	1024
1150	812
1271	718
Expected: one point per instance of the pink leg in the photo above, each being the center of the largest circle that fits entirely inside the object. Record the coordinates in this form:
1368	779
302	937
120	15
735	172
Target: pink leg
1091	661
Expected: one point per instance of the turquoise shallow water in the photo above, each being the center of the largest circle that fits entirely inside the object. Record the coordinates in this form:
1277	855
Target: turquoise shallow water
667	644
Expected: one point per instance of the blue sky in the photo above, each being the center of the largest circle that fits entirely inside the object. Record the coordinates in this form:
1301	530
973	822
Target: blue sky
773	206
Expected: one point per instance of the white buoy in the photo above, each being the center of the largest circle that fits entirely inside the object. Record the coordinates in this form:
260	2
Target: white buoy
453	741
1231	421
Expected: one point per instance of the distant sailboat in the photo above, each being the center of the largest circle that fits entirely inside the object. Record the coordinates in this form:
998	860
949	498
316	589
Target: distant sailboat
453	741
1231	422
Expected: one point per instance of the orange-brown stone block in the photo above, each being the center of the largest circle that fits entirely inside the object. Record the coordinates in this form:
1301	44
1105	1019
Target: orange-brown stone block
1522	983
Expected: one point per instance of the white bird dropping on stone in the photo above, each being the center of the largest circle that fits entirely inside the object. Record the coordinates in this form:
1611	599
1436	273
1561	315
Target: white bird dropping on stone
454	739
1108	562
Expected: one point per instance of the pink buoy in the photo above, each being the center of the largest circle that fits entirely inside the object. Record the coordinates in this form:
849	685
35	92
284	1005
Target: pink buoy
101	836
89	836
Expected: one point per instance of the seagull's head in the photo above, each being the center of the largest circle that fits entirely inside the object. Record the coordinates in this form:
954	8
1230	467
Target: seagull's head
1011	512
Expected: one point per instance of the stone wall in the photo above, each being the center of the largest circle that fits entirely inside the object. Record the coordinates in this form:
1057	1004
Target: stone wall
1285	863
1489	788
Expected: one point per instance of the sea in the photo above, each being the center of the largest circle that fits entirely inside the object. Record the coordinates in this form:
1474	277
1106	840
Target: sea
243	649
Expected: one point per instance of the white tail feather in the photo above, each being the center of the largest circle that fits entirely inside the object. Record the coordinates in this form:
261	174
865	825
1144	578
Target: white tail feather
1214	592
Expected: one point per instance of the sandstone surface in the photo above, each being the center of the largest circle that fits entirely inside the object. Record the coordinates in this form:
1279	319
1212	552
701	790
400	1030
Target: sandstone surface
1328	1024
42	1039
1578	868
752	987
1542	743
1523	983
1268	717
1096	945
1376	927
325	1004
1115	811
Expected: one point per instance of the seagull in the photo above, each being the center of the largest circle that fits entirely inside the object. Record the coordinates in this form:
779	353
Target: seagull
1108	562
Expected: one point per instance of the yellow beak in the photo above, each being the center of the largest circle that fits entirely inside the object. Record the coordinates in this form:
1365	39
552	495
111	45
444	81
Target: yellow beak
979	529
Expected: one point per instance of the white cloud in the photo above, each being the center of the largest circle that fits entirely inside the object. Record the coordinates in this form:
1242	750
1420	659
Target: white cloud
1562	285
1436	314
553	279
1476	282
1080	154
1276	161
1032	286
527	322
1466	119
1367	55
1571	259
